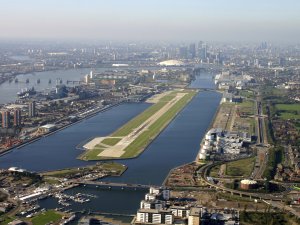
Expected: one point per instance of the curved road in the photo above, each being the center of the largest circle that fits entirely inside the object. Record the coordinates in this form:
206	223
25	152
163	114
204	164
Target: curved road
267	198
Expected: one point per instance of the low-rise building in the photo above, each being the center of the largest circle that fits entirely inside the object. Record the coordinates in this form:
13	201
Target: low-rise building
47	128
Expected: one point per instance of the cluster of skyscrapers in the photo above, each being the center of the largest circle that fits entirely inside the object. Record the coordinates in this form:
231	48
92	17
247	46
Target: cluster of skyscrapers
192	51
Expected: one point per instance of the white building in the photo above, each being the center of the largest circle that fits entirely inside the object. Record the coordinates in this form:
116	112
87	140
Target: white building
154	204
223	142
48	128
171	63
154	216
180	211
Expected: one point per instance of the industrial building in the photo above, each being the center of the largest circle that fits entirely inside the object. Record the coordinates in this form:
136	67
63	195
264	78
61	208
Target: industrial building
219	141
248	184
229	97
226	81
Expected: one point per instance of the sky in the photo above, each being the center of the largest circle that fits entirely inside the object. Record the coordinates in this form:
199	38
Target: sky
156	20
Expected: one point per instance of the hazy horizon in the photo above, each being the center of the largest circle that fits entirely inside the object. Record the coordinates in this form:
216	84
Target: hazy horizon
167	20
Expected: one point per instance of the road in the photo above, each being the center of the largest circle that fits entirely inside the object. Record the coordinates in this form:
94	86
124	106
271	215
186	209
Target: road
274	201
282	206
262	149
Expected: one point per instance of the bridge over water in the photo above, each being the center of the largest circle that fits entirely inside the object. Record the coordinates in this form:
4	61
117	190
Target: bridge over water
114	184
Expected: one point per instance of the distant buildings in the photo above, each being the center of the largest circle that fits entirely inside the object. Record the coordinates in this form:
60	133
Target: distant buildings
192	50
229	97
227	81
183	52
108	78
171	63
202	48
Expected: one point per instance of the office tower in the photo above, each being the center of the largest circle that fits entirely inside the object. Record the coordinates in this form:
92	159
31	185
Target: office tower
183	51
282	61
202	50
263	45
200	43
192	50
31	109
256	63
17	117
5	119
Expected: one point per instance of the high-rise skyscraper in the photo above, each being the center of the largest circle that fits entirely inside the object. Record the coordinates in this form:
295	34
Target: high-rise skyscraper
192	50
31	109
183	51
202	48
17	117
5	119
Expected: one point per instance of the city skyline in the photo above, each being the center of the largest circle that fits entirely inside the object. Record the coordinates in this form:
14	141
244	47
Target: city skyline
152	20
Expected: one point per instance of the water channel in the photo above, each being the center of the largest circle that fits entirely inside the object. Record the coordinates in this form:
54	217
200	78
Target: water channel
176	145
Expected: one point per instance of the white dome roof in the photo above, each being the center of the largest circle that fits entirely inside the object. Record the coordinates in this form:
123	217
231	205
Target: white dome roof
171	63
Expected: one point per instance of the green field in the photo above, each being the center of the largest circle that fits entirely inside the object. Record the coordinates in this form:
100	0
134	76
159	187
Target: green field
6	219
144	139
246	107
288	107
288	111
113	167
92	154
110	141
289	116
46	217
246	93
241	167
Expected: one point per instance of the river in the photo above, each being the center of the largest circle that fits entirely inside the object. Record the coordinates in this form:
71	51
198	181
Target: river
176	145
8	90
